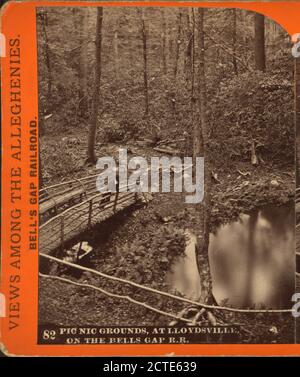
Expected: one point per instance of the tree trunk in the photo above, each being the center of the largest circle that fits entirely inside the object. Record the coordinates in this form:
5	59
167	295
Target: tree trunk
259	42
193	97
297	115
82	69
145	61
164	43
203	145
116	49
96	96
297	95
189	48
178	42
234	38
48	103
193	56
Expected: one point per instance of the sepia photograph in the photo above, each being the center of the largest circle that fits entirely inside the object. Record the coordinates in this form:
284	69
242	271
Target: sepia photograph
167	176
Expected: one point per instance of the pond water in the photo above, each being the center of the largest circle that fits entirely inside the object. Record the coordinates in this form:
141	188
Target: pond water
252	261
184	275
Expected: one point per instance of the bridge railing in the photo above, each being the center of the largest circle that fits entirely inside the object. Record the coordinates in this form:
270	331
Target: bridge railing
57	198
88	183
55	232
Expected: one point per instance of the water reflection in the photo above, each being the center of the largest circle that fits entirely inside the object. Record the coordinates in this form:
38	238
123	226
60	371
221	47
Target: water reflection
252	260
184	275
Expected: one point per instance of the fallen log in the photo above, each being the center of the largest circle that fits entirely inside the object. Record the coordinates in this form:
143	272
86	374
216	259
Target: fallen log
171	152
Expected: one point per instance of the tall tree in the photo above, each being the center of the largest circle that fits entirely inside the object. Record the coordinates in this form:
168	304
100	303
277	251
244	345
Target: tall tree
259	42
82	68
189	47
164	42
297	128
44	22
193	28
96	95
297	115
116	48
178	42
234	38
193	94
145	60
202	145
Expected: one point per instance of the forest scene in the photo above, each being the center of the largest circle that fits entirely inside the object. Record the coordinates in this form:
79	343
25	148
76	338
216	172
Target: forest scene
174	82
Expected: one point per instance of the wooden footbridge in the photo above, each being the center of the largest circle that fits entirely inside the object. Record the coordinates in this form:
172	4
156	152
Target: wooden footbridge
69	208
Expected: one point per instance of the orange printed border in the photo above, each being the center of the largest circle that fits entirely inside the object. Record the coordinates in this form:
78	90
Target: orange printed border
18	20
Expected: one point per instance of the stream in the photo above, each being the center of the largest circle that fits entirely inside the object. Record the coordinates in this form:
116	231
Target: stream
252	261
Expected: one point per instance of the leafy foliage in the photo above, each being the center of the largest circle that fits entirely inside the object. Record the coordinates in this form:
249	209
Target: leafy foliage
144	260
254	106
